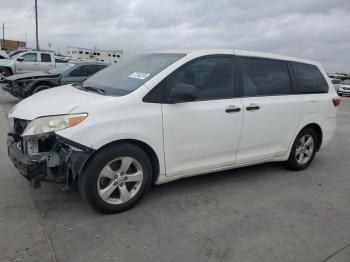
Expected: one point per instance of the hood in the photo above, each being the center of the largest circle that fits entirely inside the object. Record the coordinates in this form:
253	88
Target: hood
55	101
7	62
33	75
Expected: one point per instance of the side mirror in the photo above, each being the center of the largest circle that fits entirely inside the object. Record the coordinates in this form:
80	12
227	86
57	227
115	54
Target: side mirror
183	93
20	59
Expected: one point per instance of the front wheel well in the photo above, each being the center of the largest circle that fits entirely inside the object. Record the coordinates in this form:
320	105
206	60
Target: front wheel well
145	147
318	131
7	68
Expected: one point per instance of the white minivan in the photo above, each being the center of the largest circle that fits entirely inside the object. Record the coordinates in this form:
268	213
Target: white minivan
163	116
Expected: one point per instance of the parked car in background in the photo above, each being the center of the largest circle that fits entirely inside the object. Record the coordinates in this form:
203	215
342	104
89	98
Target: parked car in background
337	83
345	88
24	85
27	61
4	55
164	116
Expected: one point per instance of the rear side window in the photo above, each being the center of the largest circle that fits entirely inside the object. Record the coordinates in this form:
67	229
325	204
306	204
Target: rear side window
309	78
81	71
99	67
46	58
263	77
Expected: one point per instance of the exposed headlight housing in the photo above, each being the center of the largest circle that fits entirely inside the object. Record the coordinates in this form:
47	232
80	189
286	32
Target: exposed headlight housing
48	124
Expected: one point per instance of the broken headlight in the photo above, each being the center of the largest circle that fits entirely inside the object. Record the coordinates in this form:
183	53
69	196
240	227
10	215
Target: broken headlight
48	124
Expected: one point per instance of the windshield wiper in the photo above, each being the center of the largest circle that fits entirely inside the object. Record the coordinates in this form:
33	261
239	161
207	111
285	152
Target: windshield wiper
79	85
94	89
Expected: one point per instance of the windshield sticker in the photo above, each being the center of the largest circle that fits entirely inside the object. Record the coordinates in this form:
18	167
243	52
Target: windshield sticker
139	75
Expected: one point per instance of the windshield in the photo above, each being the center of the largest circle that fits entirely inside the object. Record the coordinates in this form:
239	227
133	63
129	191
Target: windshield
346	82
60	69
121	79
14	54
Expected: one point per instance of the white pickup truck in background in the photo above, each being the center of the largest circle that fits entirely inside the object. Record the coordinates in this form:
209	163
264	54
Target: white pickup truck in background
27	61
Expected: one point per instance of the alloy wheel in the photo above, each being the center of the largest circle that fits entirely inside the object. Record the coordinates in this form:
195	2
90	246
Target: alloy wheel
3	75
305	149
120	180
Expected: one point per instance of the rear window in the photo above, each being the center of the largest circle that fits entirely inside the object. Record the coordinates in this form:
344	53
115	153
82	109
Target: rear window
309	78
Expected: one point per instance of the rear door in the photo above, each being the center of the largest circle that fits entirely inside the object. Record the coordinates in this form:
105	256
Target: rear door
272	109
29	63
46	62
204	134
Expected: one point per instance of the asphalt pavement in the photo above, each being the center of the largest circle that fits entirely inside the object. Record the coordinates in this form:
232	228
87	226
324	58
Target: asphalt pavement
260	213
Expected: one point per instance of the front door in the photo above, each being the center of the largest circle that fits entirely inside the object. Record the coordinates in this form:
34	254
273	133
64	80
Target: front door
28	63
203	135
272	110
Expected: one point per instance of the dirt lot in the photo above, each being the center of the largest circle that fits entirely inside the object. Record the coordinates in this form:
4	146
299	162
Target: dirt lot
260	213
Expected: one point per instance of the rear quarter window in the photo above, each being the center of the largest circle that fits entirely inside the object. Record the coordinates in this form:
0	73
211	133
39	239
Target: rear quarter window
309	78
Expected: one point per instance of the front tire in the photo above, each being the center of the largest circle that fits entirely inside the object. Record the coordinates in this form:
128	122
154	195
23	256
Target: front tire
116	178
4	73
303	150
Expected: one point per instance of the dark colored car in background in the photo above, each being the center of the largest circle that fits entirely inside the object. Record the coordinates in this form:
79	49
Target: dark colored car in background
24	85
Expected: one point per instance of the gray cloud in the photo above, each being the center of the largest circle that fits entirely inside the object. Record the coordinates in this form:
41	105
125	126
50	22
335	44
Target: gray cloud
310	29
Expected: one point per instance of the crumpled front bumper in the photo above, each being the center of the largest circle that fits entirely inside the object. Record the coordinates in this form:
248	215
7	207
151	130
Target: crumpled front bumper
71	158
31	167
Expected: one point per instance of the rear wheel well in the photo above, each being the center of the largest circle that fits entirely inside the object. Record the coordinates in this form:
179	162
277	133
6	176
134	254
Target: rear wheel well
145	147
318	131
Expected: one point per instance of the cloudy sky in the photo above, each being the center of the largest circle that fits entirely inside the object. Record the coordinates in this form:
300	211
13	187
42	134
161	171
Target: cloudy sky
313	29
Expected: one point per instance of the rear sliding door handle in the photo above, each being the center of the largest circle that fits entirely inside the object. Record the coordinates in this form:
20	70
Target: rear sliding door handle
232	109
252	107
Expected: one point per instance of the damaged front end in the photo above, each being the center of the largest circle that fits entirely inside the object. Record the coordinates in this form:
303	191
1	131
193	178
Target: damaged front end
46	157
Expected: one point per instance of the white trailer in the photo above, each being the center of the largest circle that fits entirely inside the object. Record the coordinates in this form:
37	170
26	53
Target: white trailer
111	56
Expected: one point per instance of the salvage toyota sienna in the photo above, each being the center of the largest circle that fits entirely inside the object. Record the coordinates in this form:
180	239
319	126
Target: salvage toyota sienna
159	117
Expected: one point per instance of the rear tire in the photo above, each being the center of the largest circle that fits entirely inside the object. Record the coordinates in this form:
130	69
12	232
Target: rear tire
4	72
116	178
303	150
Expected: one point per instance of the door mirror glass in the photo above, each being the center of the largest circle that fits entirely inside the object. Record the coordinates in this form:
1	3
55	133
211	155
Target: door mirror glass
183	93
20	59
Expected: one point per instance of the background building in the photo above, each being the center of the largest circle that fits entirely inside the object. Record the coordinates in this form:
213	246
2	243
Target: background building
12	45
112	56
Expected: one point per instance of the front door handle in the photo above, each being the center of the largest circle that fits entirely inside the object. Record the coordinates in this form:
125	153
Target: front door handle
232	109
252	107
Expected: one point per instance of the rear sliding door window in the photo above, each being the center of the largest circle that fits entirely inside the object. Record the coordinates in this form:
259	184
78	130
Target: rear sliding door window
263	77
309	79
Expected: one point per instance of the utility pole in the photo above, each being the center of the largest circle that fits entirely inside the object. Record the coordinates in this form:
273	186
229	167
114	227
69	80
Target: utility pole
3	36
36	25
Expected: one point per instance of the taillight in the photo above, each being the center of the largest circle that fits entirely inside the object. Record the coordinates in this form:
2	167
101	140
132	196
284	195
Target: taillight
336	101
